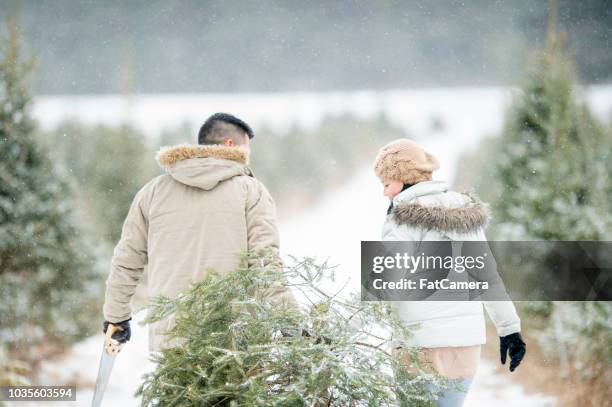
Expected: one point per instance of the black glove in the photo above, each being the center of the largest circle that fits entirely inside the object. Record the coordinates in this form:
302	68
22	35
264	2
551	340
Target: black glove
318	339
121	336
307	334
513	345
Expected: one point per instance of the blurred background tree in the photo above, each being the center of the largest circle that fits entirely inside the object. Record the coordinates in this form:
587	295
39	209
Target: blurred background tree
108	165
551	167
48	281
552	162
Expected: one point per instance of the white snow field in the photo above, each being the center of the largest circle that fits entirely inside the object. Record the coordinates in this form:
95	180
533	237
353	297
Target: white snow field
334	227
465	113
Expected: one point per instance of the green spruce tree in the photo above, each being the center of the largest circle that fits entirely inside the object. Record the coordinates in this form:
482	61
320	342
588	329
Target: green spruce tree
47	279
552	161
236	346
553	180
108	165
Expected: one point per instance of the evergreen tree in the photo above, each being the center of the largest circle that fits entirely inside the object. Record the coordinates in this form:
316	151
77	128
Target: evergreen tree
237	346
108	165
552	161
551	181
553	171
47	281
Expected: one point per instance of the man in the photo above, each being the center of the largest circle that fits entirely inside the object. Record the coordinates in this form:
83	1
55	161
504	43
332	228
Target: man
200	215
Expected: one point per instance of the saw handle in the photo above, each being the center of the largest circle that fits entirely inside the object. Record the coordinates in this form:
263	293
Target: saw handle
112	346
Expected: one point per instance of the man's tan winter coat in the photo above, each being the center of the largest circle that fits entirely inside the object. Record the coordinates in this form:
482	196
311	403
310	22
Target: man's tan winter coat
200	215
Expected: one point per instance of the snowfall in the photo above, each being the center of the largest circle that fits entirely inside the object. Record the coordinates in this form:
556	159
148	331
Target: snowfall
331	229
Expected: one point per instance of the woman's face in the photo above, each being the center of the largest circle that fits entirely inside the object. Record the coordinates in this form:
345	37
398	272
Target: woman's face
392	188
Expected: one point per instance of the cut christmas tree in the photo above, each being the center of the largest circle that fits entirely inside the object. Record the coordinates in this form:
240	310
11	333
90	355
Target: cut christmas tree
240	346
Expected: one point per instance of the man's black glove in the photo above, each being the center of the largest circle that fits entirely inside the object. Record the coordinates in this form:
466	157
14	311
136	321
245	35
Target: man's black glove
513	345
121	336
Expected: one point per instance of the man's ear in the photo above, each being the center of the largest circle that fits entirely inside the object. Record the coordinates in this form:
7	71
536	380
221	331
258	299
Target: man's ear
229	142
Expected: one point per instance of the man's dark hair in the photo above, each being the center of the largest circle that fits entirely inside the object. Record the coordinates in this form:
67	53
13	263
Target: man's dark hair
221	126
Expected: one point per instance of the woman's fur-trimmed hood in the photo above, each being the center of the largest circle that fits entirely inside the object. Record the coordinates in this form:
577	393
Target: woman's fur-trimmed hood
467	218
203	166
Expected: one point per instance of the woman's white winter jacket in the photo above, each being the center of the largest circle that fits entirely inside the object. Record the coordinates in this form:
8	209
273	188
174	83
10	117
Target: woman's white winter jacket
430	211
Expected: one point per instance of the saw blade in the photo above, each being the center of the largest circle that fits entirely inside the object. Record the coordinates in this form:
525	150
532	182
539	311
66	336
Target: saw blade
110	350
106	366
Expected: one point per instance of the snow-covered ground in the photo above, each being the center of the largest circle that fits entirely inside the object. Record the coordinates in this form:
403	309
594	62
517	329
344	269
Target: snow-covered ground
492	389
80	366
334	227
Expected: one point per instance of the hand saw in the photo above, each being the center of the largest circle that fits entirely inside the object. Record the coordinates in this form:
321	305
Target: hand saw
110	350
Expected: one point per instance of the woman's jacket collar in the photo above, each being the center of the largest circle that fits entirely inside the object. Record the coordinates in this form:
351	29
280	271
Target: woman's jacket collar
467	217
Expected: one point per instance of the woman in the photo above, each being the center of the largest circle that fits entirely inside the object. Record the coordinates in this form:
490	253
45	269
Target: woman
449	333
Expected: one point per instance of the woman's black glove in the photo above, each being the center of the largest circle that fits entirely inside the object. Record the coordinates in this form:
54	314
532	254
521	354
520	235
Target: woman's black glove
121	336
307	334
513	345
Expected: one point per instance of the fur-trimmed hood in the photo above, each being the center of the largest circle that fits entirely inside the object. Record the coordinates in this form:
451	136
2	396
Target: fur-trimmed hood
203	166
168	156
439	209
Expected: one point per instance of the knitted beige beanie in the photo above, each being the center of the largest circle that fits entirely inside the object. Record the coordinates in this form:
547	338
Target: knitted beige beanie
405	161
